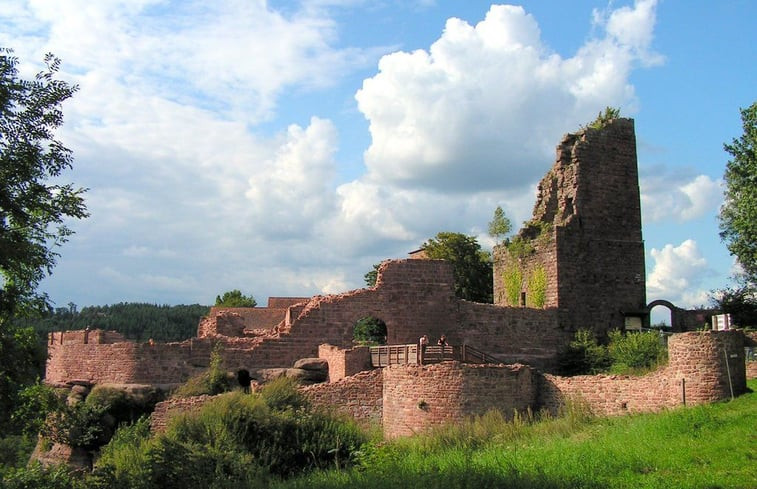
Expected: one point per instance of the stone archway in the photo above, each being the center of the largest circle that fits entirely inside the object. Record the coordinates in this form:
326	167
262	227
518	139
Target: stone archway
370	330
676	324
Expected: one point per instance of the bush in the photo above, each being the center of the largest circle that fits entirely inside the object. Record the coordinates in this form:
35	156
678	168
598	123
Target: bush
636	352
79	425
38	477
282	393
35	403
584	355
214	380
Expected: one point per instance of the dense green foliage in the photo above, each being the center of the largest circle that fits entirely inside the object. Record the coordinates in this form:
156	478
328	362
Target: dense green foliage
236	440
682	448
636	352
500	225
472	266
33	212
738	216
609	114
213	381
584	355
626	353
370	331
371	277
740	302
135	321
235	298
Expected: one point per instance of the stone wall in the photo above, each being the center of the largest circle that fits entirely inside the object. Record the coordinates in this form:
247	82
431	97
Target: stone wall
419	397
585	232
696	371
345	362
358	396
122	362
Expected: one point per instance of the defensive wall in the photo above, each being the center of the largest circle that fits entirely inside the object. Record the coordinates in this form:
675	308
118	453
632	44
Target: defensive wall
413	298
407	399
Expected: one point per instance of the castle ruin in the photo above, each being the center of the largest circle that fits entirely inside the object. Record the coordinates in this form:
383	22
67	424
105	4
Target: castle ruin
578	263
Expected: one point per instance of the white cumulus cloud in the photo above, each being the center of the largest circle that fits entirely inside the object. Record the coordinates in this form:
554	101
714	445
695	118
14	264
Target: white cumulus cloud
677	274
665	195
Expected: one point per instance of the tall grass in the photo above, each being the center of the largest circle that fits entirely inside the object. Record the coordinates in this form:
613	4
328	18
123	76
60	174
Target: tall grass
709	446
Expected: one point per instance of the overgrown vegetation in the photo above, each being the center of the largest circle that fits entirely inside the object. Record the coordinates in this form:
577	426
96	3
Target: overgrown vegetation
235	440
681	448
537	287
604	117
513	280
214	380
627	353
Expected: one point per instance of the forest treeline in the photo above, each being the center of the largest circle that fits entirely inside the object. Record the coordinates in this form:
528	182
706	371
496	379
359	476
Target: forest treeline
136	321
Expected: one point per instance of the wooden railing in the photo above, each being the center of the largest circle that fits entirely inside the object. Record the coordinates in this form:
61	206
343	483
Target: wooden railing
382	356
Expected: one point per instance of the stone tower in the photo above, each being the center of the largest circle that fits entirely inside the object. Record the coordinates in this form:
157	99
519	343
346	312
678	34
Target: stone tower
582	251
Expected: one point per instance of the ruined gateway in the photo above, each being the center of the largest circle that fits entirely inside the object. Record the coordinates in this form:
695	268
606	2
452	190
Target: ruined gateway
579	262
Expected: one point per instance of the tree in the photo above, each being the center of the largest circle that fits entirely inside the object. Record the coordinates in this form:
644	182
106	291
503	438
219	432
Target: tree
472	266
371	277
500	225
738	216
33	211
234	298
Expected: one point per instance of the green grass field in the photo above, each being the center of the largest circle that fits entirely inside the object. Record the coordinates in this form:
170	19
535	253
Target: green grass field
711	446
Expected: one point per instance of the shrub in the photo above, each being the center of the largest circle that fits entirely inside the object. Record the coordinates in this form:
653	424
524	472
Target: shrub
35	403
636	352
35	476
584	355
281	442
214	380
79	425
283	393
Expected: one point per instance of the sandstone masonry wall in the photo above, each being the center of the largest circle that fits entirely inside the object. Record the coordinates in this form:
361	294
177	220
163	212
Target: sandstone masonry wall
343	363
586	232
123	362
359	396
419	397
697	365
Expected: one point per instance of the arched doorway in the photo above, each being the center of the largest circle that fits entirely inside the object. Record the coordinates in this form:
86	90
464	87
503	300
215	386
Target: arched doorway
663	315
369	331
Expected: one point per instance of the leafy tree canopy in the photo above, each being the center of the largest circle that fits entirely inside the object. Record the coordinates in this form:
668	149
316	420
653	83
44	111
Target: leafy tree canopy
32	210
235	298
371	277
472	266
738	216
500	225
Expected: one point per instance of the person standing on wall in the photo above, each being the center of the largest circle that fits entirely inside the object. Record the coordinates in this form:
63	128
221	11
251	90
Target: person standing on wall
422	343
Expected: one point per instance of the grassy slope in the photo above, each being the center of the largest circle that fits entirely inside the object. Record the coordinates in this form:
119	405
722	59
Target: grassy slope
713	446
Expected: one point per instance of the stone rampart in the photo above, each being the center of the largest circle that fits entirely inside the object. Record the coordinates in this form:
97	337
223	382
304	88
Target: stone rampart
697	372
359	396
122	362
419	397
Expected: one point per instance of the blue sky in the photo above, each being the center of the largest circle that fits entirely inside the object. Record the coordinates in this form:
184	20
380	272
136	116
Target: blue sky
283	148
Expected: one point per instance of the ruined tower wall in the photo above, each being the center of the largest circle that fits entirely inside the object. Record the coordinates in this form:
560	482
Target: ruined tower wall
585	232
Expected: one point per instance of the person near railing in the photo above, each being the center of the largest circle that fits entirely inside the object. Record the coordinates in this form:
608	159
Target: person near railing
442	341
422	344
